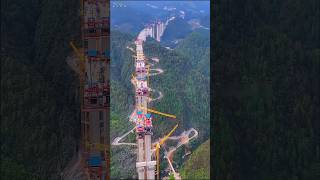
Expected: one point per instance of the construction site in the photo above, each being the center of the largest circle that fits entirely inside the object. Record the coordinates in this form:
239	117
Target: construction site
93	161
148	152
93	158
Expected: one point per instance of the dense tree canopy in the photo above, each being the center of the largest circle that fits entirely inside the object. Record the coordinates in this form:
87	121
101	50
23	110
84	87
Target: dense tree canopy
266	90
40	109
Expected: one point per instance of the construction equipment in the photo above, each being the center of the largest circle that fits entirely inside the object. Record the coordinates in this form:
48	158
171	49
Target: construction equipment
158	146
99	146
145	163
81	65
95	88
158	112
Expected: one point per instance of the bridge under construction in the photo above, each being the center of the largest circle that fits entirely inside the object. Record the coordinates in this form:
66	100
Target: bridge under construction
94	64
148	153
146	160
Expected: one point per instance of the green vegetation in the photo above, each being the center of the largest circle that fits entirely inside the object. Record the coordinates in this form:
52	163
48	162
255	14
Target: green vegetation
184	83
171	177
266	100
122	100
177	29
198	165
39	102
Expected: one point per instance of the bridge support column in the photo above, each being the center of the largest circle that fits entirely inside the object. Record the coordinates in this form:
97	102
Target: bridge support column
150	165
140	159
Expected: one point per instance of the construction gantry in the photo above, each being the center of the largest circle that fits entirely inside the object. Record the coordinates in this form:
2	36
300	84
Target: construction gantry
95	87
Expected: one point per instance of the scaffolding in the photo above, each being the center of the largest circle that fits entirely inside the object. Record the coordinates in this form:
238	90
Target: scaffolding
95	87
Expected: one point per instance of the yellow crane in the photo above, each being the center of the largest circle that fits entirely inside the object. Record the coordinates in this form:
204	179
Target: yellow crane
158	112
81	74
81	70
158	150
97	146
80	56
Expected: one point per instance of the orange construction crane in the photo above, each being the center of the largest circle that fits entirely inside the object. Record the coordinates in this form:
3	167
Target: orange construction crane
158	146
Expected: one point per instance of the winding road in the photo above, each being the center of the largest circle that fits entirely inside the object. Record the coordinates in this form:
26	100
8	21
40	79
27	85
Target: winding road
116	142
157	98
158	71
183	139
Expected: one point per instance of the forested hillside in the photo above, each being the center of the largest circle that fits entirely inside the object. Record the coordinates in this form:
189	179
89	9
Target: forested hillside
39	101
121	99
177	29
198	165
196	47
266	84
179	84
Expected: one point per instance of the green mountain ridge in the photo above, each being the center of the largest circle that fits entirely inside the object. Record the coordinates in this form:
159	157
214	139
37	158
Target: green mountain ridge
177	29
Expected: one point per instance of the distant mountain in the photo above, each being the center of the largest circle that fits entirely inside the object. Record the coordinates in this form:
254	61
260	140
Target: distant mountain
128	19
194	8
131	16
180	28
176	30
